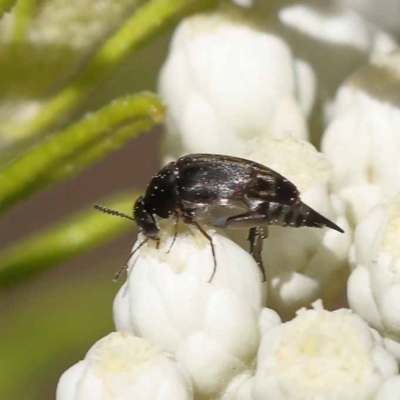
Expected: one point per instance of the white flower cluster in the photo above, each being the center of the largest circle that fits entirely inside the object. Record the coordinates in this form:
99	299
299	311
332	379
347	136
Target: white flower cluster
211	328
384	13
362	140
122	366
374	285
321	354
229	78
332	38
288	58
250	79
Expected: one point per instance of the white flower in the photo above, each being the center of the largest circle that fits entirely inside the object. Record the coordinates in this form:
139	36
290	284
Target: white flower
321	355
302	264
124	367
390	390
385	13
374	286
332	38
363	141
241	387
210	327
229	78
243	3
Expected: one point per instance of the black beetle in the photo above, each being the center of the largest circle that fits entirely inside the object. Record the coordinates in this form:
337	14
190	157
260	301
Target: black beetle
222	192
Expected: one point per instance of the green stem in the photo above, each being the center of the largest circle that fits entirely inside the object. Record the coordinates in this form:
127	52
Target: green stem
147	22
22	16
82	231
68	152
98	150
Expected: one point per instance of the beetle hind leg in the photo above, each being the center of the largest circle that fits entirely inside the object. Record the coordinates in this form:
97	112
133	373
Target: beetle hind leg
253	220
256	237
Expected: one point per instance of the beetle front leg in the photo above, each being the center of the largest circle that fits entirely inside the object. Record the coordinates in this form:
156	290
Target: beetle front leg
126	265
176	220
256	237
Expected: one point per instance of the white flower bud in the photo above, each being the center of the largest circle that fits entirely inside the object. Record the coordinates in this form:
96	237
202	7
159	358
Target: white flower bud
321	355
332	38
332	41
244	3
390	390
229	78
374	286
384	13
240	388
362	141
124	367
210	327
302	264
268	319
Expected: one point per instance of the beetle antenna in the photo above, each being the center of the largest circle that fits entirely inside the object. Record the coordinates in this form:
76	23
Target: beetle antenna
125	267
109	211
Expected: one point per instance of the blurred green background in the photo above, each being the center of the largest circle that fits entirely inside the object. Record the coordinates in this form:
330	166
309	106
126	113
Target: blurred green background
51	316
71	134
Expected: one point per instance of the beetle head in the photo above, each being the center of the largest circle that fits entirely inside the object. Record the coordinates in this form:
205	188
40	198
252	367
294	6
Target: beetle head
145	220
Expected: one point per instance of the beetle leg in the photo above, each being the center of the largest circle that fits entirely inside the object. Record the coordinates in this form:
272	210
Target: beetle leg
256	236
188	219
125	267
256	233
176	220
246	220
252	238
263	231
209	238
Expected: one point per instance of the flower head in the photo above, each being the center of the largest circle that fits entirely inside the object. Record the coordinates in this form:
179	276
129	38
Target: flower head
321	354
390	389
374	285
384	13
362	140
248	89
210	327
332	40
124	367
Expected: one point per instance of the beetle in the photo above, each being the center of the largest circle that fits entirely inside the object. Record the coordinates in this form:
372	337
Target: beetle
222	192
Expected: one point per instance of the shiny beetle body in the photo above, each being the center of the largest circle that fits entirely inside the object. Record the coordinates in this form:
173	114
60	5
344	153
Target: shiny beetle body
223	192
